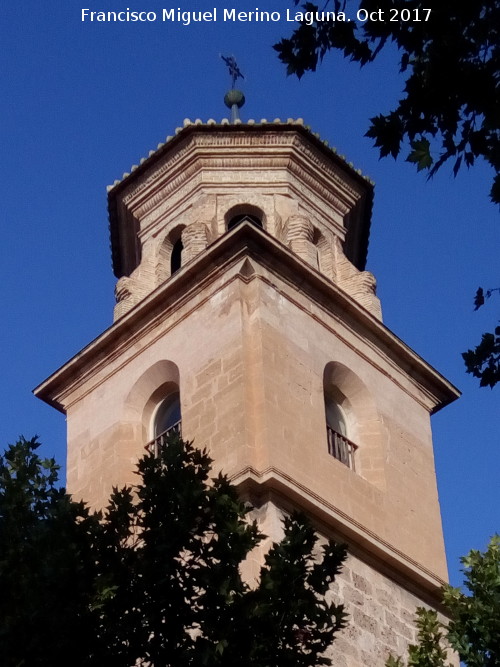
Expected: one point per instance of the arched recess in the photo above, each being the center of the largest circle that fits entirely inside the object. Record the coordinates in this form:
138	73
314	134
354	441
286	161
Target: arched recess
324	254
169	255
241	212
344	390
151	389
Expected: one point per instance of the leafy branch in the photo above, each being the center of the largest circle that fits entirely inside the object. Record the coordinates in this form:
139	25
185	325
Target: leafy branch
450	57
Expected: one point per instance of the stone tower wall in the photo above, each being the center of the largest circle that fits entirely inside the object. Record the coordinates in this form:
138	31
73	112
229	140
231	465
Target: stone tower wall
251	356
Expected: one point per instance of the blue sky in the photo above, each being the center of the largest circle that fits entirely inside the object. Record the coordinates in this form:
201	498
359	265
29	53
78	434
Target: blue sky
81	102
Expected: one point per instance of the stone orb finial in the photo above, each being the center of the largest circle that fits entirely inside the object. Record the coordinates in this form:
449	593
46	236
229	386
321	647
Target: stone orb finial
234	96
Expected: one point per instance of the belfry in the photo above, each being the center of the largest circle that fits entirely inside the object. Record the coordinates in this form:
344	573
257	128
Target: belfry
245	319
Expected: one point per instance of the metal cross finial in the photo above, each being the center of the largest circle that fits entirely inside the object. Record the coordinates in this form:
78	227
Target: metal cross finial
234	70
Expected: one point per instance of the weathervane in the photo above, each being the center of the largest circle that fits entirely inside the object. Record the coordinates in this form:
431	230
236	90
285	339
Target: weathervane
234	98
234	70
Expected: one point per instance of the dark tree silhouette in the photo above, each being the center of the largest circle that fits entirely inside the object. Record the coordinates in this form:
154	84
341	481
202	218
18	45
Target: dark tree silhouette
155	579
450	56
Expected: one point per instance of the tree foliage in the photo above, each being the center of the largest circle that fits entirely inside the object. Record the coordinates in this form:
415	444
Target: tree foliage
474	627
483	361
429	650
474	630
156	578
47	564
450	56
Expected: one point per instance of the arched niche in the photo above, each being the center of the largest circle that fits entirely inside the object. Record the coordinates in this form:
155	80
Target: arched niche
154	385
169	255
363	425
241	212
324	255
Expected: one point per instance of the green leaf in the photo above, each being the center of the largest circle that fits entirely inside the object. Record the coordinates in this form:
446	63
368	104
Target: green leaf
420	155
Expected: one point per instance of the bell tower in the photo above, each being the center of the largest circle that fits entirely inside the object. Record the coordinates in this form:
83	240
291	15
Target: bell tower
245	319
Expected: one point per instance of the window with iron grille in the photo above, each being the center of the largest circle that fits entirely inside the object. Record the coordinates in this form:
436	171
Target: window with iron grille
339	445
167	421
